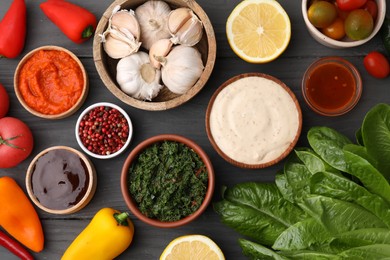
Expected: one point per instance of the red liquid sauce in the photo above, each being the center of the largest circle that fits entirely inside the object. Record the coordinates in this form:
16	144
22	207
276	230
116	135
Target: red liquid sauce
330	87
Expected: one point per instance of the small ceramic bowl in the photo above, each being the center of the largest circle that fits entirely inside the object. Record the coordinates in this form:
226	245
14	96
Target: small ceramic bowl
88	135
253	120
131	203
344	43
106	66
61	180
332	86
39	74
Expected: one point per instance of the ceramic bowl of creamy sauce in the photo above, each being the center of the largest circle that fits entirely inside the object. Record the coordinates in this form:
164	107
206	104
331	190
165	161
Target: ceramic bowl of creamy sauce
253	120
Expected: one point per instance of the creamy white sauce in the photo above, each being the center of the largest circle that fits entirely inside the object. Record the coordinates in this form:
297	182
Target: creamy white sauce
254	120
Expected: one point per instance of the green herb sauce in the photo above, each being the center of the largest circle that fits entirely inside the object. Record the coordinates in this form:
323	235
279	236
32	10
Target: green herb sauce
168	181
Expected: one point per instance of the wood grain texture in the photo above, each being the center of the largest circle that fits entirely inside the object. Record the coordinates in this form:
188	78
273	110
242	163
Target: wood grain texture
187	120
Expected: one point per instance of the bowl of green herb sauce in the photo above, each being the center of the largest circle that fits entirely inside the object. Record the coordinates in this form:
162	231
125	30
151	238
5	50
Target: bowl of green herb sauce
167	181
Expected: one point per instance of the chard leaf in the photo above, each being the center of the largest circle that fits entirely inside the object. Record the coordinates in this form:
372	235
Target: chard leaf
361	237
376	136
339	216
328	144
332	185
257	251
258	210
313	162
303	235
372	252
373	180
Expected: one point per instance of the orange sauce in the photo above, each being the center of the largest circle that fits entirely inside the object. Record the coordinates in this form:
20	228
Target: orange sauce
330	87
51	82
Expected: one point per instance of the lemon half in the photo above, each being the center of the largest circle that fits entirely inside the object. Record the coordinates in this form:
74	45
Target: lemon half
192	247
258	31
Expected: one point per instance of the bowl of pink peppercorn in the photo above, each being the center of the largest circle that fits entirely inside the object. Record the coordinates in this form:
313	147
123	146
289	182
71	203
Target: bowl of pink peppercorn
104	130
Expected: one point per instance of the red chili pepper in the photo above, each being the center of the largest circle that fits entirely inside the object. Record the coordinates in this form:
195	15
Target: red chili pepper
13	30
76	22
14	247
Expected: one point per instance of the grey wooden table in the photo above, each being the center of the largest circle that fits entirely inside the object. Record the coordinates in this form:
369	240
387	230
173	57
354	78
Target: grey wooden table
187	120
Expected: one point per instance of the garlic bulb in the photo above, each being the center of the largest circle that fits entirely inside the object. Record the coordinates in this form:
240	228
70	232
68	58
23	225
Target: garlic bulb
160	48
185	27
137	77
152	17
122	35
181	68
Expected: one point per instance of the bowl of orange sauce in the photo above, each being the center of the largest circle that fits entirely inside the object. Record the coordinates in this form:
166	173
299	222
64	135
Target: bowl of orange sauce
50	82
332	86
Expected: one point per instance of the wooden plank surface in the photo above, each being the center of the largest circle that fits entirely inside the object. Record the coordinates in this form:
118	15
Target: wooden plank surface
186	120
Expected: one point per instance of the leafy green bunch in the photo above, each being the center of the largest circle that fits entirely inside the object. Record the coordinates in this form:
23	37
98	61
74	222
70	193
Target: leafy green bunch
331	200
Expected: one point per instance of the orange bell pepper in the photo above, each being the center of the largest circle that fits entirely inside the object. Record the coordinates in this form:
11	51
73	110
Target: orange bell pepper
18	216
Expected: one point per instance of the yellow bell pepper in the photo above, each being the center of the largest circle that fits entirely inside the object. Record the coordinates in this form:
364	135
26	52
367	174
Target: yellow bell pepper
107	235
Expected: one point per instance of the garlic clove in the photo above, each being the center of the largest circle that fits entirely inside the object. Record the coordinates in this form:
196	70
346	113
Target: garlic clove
185	27
117	45
159	49
177	18
125	21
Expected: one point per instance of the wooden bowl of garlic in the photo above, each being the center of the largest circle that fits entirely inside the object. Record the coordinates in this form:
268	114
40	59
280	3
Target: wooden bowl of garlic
154	55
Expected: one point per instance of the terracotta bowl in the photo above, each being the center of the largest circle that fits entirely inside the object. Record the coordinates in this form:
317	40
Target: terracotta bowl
92	153
343	43
234	150
130	202
41	179
106	66
60	115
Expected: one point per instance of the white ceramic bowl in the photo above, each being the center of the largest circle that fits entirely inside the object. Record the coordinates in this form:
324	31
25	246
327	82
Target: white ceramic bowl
129	137
345	43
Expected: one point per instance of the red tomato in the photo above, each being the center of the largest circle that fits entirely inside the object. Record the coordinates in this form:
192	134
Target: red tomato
16	142
348	5
377	65
4	101
372	8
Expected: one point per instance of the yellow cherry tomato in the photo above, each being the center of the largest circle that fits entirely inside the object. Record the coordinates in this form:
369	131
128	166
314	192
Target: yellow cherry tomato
335	30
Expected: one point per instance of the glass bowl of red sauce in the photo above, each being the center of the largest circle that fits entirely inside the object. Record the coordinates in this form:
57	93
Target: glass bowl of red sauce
51	82
331	86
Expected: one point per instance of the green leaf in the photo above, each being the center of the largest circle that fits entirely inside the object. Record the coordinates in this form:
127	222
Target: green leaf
258	210
284	187
257	251
313	162
359	137
309	255
339	216
361	151
297	176
372	252
338	187
376	136
328	144
373	180
303	235
361	237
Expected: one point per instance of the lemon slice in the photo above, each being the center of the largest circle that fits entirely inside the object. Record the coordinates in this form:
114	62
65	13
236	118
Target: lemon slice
258	31
192	247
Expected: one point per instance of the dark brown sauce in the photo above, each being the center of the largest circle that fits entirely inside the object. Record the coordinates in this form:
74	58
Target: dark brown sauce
331	86
60	179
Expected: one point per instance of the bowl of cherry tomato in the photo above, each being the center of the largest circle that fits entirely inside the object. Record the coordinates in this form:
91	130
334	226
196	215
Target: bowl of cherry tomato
343	23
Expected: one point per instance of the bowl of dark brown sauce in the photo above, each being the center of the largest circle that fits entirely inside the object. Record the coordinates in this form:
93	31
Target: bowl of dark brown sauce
61	180
332	86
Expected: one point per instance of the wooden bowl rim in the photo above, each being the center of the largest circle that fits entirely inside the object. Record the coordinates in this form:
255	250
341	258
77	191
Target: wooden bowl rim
71	110
141	147
246	165
91	185
154	105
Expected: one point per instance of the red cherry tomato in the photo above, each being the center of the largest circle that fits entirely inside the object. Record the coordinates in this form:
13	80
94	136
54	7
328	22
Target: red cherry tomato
372	8
348	5
4	101
377	65
16	142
